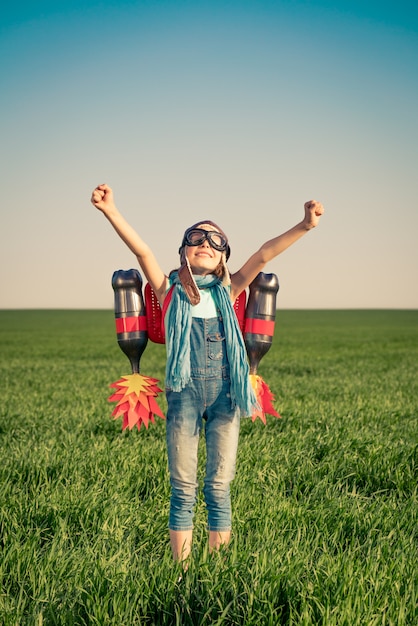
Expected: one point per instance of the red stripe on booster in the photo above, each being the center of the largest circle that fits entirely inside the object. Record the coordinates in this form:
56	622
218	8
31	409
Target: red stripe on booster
259	327
131	324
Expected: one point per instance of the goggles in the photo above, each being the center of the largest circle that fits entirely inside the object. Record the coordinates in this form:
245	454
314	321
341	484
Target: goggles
196	236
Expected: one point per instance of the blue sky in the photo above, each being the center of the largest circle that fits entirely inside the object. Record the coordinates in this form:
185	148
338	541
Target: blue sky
232	111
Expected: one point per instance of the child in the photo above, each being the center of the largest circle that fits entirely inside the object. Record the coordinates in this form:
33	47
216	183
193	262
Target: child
207	375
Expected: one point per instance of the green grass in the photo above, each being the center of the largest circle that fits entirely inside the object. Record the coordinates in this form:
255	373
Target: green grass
325	499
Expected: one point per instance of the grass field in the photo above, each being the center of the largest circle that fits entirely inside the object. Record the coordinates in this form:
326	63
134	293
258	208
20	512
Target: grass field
325	499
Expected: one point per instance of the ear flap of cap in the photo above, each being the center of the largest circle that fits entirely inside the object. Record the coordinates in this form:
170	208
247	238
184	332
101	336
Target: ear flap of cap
188	282
226	278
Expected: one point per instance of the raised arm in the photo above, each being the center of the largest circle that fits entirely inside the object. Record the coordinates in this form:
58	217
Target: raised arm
272	248
102	199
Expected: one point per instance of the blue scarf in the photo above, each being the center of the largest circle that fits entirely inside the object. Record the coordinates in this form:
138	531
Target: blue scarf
178	326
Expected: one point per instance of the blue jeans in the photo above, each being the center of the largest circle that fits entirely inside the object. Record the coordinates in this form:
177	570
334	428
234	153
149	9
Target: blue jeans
204	402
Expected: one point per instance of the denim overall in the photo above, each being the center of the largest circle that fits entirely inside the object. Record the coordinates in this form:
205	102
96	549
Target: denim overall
204	402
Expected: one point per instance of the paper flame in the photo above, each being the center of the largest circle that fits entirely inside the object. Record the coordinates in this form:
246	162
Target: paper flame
264	397
135	396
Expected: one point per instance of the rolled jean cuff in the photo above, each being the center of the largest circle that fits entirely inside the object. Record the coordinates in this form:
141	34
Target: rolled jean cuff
177	528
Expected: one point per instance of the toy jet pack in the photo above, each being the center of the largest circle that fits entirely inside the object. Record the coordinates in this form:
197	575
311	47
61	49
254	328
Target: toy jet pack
139	318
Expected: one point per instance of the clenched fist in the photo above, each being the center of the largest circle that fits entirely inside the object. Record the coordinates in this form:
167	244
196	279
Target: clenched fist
313	211
102	198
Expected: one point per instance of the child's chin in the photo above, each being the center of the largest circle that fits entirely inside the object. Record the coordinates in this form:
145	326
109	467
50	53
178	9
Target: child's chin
204	264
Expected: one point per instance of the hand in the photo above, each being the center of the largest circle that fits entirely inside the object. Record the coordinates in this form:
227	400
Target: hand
313	211
102	198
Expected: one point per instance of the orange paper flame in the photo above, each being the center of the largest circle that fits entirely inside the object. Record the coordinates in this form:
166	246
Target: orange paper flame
135	396
264	397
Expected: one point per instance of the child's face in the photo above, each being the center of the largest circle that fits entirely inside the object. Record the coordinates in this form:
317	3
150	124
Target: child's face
203	258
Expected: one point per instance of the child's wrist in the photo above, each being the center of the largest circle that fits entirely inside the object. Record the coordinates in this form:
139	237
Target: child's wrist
110	211
306	225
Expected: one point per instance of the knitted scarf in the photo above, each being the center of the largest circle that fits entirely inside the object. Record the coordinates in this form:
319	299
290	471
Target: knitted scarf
178	326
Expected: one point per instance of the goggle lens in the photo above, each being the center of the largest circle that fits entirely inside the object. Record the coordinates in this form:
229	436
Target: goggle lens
196	236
